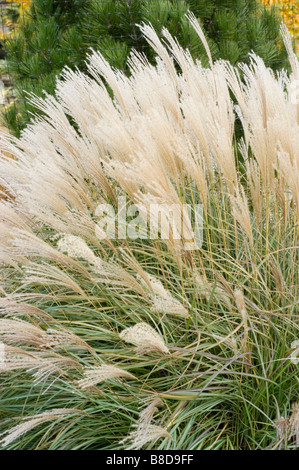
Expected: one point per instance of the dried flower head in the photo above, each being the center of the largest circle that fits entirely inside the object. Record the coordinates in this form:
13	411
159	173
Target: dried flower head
41	364
76	247
95	375
145	431
162	300
20	332
30	422
145	338
294	422
288	428
139	438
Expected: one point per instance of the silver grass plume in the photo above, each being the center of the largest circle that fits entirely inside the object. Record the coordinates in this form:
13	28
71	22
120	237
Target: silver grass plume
162	300
94	375
289	427
22	332
145	338
41	364
30	422
145	431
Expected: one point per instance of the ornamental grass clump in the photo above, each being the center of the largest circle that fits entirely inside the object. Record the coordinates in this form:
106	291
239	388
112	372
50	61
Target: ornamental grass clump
112	341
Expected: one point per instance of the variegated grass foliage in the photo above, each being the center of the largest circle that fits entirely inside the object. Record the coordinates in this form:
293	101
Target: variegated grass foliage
113	343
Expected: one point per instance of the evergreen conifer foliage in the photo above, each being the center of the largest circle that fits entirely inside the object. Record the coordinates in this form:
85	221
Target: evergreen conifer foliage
56	33
46	40
233	28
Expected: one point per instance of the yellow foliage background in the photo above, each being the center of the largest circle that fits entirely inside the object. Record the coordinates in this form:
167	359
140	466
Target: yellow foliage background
289	10
7	26
23	3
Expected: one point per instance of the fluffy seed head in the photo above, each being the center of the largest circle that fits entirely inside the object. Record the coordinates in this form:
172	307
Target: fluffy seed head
145	338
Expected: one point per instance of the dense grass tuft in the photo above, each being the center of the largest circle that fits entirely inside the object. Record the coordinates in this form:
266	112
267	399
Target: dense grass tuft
115	343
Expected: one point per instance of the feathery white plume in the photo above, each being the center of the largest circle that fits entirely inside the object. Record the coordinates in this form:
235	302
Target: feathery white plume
145	338
95	375
145	431
162	300
30	422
